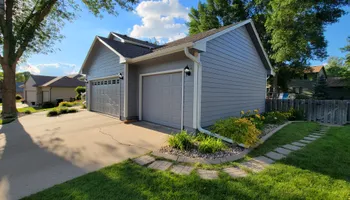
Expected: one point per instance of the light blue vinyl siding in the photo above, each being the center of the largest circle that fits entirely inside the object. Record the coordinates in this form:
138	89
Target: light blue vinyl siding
233	77
103	63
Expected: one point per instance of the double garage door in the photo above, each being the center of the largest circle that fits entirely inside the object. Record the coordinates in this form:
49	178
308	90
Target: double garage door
162	99
105	96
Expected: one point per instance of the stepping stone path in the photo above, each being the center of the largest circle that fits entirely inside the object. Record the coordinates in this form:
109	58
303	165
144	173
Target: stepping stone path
208	174
144	160
182	169
235	172
160	165
255	165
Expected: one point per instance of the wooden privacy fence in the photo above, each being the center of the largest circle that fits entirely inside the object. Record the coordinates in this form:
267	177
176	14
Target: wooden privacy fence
324	111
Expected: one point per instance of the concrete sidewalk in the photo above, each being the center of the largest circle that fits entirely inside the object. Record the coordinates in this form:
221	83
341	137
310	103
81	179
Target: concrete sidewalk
37	152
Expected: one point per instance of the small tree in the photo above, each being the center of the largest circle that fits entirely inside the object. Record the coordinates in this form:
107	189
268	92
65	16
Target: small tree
79	90
320	89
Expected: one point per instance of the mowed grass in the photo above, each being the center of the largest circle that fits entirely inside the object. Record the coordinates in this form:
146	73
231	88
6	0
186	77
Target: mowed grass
319	171
291	133
33	109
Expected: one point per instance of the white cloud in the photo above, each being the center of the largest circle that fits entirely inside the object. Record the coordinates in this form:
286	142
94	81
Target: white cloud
163	20
52	69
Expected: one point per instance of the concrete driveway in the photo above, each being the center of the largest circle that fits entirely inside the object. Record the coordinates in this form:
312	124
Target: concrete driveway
37	152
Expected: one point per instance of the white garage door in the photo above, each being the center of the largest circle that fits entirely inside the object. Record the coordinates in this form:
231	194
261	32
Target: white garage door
162	99
31	97
105	96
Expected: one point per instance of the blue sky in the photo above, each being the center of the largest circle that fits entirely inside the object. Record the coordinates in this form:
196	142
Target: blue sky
162	20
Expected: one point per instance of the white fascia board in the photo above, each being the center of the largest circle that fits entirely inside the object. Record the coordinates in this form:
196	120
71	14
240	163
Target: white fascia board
121	39
159	53
129	41
87	56
122	58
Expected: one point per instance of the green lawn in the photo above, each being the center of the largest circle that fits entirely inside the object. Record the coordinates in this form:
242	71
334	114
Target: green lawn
291	133
319	171
34	109
6	121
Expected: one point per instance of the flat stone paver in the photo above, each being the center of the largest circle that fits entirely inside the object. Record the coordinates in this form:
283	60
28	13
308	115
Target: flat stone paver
208	174
160	165
263	160
318	134
310	138
144	160
253	166
182	169
283	151
305	141
315	136
235	172
291	147
298	144
275	156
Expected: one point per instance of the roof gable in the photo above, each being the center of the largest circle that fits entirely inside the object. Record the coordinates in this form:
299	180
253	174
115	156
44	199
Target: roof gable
127	39
65	81
40	79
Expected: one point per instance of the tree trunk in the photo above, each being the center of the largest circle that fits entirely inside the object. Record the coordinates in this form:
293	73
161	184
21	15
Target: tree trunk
9	109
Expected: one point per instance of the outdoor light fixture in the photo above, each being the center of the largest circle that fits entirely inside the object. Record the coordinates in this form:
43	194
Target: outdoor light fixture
120	76
187	71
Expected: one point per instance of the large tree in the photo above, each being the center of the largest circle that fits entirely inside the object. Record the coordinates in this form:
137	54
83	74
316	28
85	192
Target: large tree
292	31
33	26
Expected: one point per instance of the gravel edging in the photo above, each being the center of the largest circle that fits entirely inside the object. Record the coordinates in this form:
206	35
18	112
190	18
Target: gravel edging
186	159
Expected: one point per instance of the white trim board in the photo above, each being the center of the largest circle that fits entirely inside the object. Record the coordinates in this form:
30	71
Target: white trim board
158	73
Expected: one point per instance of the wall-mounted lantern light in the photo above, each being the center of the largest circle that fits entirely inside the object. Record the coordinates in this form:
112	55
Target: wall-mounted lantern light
120	76
187	71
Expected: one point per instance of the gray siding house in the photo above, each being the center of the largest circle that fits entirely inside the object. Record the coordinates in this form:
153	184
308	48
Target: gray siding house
185	84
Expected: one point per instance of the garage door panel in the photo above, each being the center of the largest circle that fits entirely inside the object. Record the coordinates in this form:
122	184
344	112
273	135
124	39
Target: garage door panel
106	97
161	98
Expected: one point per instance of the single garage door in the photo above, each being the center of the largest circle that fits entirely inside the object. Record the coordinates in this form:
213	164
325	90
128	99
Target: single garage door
161	99
105	96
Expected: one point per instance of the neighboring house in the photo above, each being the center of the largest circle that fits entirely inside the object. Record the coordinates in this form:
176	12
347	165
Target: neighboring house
306	83
39	89
188	83
338	88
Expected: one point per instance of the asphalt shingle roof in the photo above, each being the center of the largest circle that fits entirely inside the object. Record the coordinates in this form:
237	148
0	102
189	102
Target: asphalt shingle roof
65	81
336	82
125	37
40	79
126	49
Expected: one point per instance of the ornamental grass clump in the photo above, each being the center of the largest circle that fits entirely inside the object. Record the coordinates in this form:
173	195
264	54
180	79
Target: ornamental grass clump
211	145
182	141
240	130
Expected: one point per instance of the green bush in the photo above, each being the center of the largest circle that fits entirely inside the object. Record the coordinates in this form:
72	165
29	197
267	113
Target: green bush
79	90
72	110
211	145
302	96
18	97
182	141
66	104
83	106
63	110
48	105
296	114
254	117
52	113
276	117
239	130
27	112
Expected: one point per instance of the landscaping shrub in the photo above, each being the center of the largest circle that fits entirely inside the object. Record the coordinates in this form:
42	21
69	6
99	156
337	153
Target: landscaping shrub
296	114
52	113
27	112
65	104
79	90
254	117
63	110
239	130
72	110
83	106
181	141
18	97
48	105
276	117
211	145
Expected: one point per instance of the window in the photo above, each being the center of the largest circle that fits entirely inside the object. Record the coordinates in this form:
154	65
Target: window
109	82
113	81
105	82
98	83
118	81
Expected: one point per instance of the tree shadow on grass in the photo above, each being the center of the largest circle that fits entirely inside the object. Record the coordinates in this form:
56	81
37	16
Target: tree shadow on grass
26	167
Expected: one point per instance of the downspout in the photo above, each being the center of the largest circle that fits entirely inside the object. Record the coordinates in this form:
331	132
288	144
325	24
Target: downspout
198	96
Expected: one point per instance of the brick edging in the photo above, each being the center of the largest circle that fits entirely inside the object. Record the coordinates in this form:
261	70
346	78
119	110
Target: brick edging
186	159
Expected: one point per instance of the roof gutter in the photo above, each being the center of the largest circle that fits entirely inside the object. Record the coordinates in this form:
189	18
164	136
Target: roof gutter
198	96
159	53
